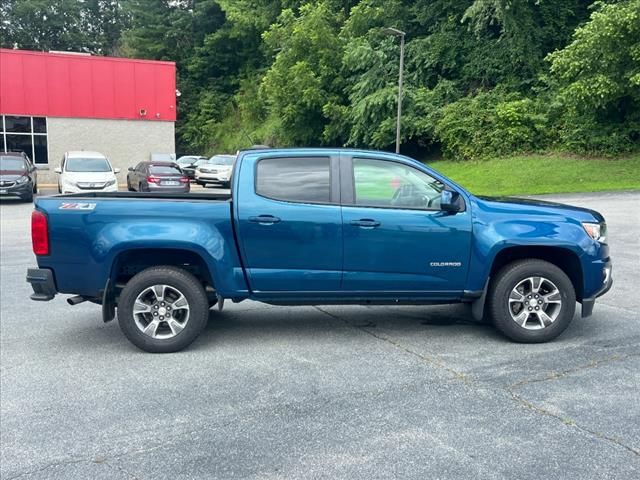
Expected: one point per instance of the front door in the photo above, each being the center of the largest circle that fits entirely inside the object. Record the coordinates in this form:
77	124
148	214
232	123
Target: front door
290	224
397	241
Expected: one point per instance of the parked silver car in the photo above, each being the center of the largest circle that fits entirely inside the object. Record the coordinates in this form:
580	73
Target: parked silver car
157	177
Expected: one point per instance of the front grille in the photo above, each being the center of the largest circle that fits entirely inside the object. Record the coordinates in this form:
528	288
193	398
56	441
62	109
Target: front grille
90	185
208	170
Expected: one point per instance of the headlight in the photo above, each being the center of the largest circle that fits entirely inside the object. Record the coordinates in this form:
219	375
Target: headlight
110	182
597	231
21	180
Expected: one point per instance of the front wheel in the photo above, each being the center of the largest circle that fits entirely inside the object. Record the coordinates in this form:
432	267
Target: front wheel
163	309
531	301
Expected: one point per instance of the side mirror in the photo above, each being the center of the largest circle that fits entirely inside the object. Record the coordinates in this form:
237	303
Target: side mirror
449	201
57	170
116	170
130	169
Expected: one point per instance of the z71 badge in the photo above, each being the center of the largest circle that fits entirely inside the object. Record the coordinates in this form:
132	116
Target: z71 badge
77	206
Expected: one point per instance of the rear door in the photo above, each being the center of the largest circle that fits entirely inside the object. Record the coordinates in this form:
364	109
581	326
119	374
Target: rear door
397	241
289	222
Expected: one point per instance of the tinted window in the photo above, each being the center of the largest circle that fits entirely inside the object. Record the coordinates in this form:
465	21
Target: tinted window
12	164
88	165
18	124
164	170
390	184
294	179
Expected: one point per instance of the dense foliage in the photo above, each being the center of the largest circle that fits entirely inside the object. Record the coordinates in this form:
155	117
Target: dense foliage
482	77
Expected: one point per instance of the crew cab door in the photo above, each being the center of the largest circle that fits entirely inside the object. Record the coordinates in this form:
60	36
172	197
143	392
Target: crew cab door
397	241
289	222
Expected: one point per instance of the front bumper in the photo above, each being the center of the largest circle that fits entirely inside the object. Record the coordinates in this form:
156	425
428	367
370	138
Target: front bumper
220	177
41	280
17	190
75	189
607	283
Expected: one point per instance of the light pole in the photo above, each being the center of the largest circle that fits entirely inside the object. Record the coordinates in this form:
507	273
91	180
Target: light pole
398	33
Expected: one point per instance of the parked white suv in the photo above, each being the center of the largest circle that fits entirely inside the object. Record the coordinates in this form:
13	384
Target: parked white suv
218	169
83	171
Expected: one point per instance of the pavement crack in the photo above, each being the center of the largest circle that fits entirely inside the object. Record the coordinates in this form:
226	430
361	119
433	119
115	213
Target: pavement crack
571	423
564	373
425	358
50	465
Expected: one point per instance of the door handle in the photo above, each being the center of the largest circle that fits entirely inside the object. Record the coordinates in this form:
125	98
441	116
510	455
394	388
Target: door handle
264	219
365	223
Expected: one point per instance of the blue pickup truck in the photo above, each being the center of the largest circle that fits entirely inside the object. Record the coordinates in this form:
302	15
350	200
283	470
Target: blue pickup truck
319	226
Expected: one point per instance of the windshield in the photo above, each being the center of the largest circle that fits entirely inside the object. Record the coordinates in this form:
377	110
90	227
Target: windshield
87	165
187	160
164	170
222	160
12	163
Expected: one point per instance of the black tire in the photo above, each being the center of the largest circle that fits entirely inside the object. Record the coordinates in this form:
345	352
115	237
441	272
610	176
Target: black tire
28	198
140	187
35	188
507	279
129	187
59	189
174	277
202	184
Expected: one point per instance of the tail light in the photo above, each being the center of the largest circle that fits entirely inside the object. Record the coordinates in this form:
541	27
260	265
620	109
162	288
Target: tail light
184	180
153	180
39	233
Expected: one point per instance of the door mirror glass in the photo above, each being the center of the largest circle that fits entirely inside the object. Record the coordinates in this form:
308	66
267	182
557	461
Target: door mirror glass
116	170
130	169
57	170
449	201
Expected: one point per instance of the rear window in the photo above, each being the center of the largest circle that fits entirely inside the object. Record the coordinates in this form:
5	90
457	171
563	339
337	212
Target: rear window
295	179
87	165
12	163
164	170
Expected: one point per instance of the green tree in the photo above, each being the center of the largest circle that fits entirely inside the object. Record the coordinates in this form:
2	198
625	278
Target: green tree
597	81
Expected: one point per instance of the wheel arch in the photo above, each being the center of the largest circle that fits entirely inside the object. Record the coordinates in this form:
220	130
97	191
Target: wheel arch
129	262
563	258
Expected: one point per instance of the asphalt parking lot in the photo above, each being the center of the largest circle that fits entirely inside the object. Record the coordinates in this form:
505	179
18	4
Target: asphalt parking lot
329	392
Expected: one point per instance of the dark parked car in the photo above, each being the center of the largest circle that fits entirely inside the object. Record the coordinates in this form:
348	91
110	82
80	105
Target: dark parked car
189	163
157	177
18	176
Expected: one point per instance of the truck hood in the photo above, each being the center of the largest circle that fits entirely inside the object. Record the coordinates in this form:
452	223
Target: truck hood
543	206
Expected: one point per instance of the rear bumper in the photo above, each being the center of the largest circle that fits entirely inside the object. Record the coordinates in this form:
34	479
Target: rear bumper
41	280
607	283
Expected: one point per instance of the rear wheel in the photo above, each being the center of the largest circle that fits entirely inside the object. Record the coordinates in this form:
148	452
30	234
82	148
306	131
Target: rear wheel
163	309
129	187
531	301
140	187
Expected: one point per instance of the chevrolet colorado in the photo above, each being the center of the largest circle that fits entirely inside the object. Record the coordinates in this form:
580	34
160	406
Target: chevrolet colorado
319	226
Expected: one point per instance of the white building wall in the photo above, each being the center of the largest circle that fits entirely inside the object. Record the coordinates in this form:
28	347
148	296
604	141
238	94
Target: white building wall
124	142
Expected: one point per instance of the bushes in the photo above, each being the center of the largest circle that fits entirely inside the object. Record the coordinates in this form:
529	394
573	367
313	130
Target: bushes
491	124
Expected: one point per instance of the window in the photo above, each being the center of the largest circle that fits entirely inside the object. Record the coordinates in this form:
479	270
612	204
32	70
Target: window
164	170
305	179
77	164
222	160
380	183
25	134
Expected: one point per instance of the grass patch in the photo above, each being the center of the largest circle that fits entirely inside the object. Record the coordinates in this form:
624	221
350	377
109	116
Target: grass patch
533	174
